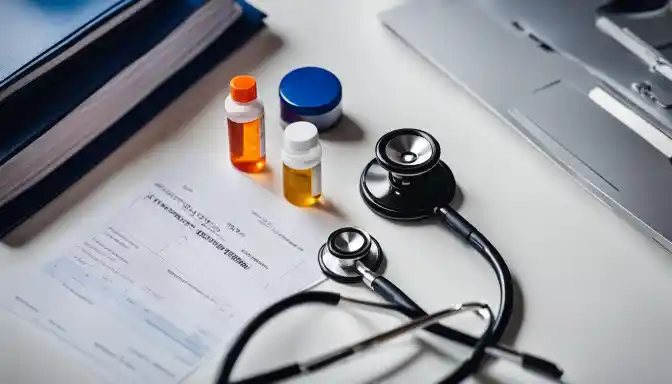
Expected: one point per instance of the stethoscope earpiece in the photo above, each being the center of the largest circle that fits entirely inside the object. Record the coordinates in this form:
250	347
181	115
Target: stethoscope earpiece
407	180
345	248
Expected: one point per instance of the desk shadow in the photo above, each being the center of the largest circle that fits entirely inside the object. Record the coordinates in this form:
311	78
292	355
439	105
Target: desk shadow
487	378
346	130
383	265
512	330
264	178
458	200
425	347
328	206
479	377
168	124
389	374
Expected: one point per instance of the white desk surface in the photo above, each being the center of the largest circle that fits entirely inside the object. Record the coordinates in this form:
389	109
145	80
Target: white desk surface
595	294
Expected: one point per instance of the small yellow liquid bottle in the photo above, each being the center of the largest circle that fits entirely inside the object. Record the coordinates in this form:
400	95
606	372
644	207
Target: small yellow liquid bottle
302	164
245	120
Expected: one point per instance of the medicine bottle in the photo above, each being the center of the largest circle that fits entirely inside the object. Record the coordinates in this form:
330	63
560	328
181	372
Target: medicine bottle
245	119
302	164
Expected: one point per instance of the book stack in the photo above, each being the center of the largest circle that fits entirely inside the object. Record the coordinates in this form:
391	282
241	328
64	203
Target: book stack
82	77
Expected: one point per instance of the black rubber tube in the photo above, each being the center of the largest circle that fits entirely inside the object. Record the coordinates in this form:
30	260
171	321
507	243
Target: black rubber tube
503	317
480	243
244	337
394	294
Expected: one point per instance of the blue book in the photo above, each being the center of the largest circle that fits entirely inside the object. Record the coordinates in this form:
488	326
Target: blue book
36	34
37	107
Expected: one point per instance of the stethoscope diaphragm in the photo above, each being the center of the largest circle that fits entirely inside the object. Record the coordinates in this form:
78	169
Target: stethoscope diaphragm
345	247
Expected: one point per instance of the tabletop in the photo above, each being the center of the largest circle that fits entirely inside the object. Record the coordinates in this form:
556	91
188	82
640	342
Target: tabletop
593	293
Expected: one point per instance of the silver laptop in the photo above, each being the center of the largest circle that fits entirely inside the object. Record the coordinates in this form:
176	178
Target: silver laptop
588	83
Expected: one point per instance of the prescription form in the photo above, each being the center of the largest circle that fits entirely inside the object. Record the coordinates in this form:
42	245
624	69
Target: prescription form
152	293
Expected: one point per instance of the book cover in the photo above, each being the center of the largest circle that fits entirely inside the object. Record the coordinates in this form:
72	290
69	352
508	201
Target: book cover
31	201
35	32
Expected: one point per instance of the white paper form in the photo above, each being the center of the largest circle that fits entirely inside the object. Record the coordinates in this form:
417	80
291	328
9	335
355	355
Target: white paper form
168	280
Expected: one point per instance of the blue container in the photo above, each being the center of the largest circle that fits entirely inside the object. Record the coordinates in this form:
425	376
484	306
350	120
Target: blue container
311	94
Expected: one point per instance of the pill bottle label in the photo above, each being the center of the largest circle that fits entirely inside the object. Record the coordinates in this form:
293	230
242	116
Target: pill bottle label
262	136
316	180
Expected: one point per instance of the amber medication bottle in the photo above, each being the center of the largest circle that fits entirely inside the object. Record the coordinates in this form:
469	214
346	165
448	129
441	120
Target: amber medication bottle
301	164
245	119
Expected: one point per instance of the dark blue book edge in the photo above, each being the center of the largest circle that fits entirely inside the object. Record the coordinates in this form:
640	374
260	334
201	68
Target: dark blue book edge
53	185
67	42
36	108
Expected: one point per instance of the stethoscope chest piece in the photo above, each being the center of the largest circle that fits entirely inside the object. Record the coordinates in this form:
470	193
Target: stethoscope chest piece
345	250
407	180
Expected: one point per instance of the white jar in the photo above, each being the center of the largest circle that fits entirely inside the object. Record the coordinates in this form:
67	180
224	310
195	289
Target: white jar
302	164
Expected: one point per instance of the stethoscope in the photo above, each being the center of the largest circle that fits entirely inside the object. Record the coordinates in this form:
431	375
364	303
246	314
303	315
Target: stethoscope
406	181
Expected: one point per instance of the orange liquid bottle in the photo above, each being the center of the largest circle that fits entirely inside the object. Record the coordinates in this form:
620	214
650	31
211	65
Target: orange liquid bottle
245	120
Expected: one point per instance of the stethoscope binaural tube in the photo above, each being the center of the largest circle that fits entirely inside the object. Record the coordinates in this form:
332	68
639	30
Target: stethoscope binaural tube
324	360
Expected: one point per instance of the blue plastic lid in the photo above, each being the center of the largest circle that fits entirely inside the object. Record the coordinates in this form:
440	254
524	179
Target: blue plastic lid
310	91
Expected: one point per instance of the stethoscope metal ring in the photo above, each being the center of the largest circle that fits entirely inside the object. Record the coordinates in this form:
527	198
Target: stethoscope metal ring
408	152
349	244
343	249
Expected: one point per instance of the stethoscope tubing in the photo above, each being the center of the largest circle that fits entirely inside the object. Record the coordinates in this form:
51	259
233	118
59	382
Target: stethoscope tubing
352	265
506	294
331	298
393	294
397	300
364	267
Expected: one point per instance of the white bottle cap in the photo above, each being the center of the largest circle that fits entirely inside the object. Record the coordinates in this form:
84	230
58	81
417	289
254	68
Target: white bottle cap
300	136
